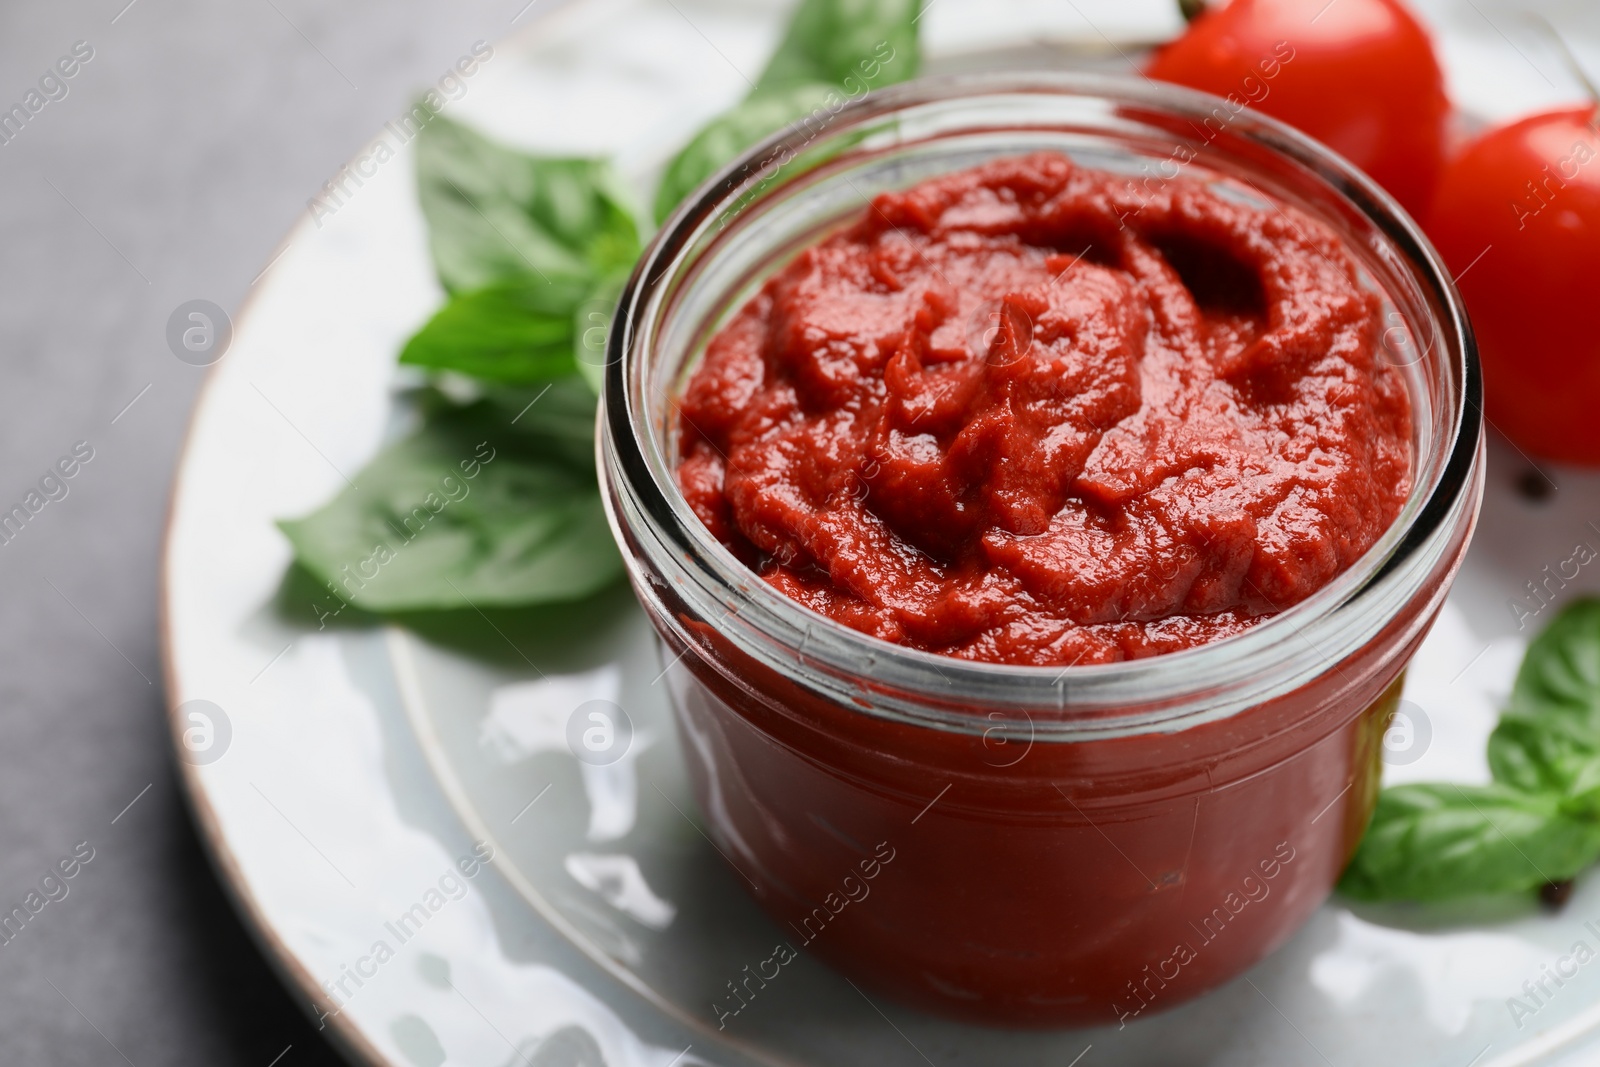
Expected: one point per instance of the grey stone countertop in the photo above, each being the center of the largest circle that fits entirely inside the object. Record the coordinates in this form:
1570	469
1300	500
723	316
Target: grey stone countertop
166	168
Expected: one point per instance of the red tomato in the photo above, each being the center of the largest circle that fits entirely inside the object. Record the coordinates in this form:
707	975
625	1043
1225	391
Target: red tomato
1517	218
1358	75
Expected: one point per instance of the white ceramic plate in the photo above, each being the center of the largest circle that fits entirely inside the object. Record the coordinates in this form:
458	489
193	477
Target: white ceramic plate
349	781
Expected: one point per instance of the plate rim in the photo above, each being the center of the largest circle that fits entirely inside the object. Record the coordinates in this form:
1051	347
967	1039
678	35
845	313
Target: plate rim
348	1039
399	646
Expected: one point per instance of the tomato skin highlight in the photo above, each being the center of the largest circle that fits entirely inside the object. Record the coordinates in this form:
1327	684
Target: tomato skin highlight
1517	219
1358	75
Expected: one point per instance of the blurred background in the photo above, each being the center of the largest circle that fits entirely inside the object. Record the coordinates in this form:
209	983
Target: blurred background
183	149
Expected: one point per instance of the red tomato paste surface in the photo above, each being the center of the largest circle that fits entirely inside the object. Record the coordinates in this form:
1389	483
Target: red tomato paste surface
1030	413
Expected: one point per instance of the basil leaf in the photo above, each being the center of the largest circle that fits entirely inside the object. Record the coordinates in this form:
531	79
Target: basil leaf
731	133
841	42
1582	799
1550	730
1432	842
516	332
832	52
469	512
592	329
1540	753
556	419
494	213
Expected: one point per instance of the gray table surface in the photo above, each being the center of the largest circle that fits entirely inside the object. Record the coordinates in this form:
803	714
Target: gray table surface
179	156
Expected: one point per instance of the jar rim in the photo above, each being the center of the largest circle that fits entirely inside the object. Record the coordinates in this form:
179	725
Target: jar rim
1128	696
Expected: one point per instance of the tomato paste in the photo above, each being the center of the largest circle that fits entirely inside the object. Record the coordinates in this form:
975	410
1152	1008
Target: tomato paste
1032	413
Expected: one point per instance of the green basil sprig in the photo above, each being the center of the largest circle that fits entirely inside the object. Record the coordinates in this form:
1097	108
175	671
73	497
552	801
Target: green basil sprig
1549	735
515	332
1538	823
525	246
532	252
495	213
470	510
833	51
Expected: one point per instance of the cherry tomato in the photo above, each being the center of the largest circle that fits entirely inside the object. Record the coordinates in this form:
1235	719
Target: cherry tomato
1358	75
1517	218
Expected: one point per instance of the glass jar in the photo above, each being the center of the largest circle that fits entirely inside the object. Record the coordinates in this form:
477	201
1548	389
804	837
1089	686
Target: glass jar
1029	845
